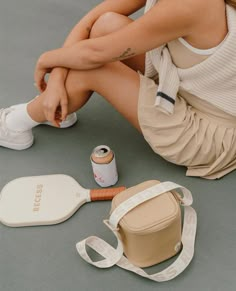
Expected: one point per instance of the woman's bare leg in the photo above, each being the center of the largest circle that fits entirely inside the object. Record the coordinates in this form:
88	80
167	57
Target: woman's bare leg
117	82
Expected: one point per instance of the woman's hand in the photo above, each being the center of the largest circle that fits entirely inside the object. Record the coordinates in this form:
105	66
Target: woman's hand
41	70
55	103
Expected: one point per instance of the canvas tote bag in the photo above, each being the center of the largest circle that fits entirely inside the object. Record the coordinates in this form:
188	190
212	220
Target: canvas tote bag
146	220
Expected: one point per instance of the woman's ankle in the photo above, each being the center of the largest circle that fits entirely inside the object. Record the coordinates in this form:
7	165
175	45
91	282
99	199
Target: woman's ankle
35	110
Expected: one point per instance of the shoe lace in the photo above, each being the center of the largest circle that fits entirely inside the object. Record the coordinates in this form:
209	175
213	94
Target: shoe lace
3	113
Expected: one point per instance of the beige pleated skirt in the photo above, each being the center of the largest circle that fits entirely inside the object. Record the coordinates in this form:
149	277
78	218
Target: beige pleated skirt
197	135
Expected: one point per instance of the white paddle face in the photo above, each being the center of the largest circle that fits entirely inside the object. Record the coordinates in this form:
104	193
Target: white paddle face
41	200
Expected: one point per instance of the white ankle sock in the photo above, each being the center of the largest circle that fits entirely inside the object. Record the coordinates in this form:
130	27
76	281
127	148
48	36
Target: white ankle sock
19	119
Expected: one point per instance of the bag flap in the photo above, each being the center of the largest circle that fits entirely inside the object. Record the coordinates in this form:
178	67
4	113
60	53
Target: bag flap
151	215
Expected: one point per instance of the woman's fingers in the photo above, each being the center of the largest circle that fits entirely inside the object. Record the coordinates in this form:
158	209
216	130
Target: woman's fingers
39	81
64	109
39	78
52	118
50	114
55	104
43	86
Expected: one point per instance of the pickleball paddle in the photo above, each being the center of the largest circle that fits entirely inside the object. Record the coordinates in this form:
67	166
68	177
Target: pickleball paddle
46	200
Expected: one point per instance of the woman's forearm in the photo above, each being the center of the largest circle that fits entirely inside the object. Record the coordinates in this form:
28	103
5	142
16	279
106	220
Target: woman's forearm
160	25
58	75
82	29
67	58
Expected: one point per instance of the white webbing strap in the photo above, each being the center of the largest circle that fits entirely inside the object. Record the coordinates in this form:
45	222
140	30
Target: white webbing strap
146	195
111	255
115	256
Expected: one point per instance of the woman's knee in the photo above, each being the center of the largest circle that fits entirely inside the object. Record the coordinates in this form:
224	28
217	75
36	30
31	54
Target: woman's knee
107	23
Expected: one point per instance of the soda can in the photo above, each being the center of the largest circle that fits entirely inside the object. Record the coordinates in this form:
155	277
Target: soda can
104	166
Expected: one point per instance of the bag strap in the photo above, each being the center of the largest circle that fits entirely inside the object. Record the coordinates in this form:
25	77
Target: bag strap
115	256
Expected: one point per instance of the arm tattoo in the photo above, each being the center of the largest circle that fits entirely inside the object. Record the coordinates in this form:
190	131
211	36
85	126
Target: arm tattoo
88	29
126	54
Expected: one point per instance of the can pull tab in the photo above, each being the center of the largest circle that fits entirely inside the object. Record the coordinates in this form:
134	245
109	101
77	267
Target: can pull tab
103	151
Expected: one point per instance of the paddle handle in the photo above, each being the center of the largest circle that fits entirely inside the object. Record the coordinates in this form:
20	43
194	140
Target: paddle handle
105	194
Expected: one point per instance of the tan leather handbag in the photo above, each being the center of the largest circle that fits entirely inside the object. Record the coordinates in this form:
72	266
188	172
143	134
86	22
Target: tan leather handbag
146	220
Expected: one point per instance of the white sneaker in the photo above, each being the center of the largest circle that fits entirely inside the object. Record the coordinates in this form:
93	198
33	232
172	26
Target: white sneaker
13	139
69	121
